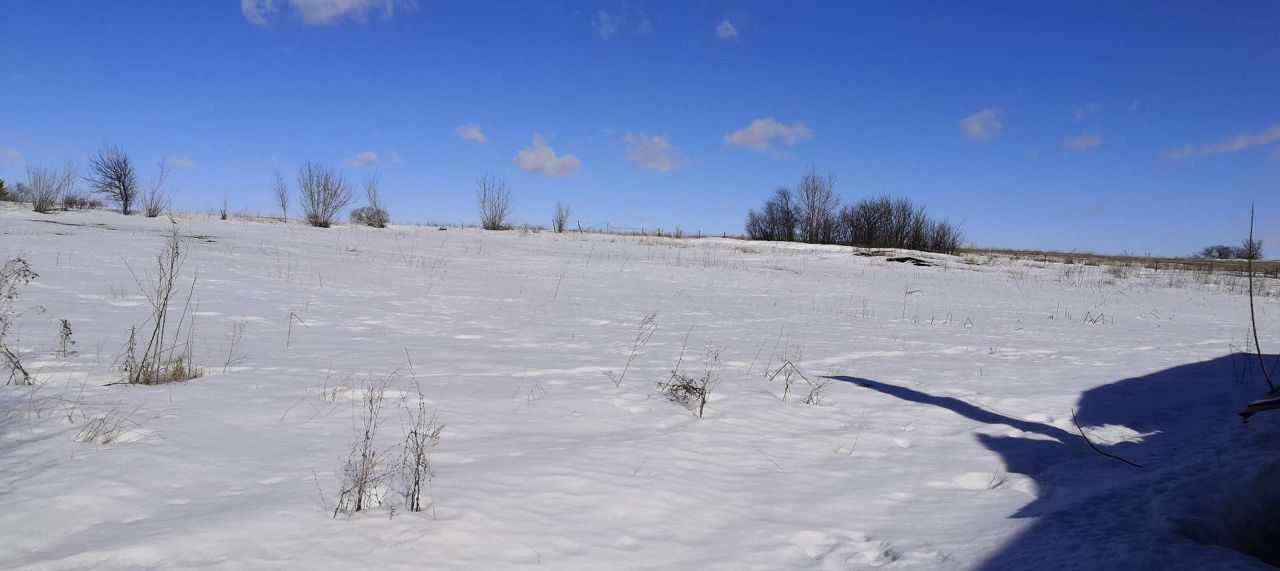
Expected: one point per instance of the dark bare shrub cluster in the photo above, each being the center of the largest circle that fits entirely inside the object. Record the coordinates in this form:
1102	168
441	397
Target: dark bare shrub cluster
323	194
493	200
1249	249
46	187
812	215
777	221
14	273
374	214
4	192
111	173
886	222
80	201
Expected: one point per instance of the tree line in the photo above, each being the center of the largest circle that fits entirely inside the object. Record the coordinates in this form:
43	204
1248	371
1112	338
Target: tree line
812	214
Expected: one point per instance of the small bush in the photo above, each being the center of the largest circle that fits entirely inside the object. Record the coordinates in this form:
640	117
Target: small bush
370	216
374	214
323	194
46	187
493	199
364	469
80	201
166	356
156	199
560	218
692	392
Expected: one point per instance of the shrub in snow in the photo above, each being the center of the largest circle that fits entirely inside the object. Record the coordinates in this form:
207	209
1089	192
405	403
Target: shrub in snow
323	194
692	391
493	199
45	186
163	355
560	218
14	273
364	470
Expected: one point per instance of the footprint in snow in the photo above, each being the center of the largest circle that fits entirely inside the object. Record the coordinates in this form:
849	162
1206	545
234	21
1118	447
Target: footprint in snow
843	549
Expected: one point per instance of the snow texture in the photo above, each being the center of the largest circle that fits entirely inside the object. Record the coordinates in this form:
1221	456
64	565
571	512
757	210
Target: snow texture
944	440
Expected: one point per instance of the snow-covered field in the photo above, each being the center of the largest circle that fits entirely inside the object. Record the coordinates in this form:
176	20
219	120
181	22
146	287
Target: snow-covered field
944	440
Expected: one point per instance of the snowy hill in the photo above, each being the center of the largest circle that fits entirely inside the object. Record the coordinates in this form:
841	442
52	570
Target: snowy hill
942	438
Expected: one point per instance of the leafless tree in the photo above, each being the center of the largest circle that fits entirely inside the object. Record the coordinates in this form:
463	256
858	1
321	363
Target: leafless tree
493	198
818	203
323	192
282	194
560	218
374	214
111	173
777	221
156	200
1250	249
46	186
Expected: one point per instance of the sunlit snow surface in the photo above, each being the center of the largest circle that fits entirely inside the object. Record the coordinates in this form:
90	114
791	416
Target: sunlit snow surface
944	440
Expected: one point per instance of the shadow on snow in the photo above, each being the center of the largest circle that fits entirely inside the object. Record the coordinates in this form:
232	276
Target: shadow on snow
1208	495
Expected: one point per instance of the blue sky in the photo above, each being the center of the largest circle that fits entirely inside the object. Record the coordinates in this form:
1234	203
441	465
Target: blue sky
1110	127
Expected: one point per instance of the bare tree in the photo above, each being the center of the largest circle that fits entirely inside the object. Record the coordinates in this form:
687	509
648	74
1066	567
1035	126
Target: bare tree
282	194
156	200
1250	249
560	218
493	198
374	214
46	186
818	203
111	173
323	193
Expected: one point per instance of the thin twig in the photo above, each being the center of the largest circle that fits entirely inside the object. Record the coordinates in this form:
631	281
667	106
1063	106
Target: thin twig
1095	448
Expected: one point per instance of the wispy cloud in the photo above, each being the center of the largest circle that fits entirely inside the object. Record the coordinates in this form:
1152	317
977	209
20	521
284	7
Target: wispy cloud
540	158
323	12
1084	141
181	163
1241	142
761	133
652	152
605	24
983	125
472	133
10	156
645	27
1082	112
364	159
725	30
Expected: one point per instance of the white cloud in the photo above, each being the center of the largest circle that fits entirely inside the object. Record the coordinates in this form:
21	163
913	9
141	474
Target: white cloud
181	163
364	159
645	27
10	156
472	133
652	152
1084	142
725	30
605	24
257	11
983	125
761	132
323	12
1241	142
539	158
1086	110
